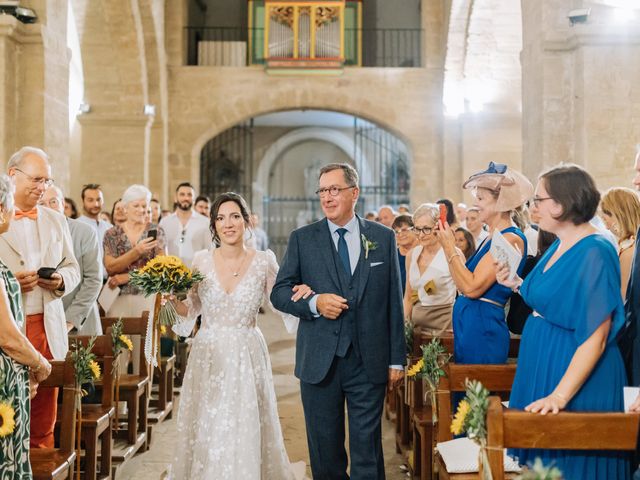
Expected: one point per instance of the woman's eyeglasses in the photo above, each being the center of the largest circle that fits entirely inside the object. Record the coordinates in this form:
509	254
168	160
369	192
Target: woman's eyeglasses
423	230
400	231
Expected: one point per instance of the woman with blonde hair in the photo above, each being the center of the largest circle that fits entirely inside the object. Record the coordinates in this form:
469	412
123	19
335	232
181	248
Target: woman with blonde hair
621	214
430	291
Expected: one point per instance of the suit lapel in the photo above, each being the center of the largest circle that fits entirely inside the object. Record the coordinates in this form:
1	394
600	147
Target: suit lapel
43	225
364	264
326	245
11	240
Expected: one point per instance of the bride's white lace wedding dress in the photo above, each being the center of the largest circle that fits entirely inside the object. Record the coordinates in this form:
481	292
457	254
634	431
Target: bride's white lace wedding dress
227	425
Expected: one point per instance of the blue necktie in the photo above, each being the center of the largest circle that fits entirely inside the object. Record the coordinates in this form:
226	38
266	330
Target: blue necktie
343	251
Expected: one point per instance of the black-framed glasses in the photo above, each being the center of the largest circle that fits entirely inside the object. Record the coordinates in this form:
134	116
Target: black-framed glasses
536	200
423	230
333	190
47	182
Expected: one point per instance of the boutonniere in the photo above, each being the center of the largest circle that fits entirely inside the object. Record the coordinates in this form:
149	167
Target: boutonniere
368	246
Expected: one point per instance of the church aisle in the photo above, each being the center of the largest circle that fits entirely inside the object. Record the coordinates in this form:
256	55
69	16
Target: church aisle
152	464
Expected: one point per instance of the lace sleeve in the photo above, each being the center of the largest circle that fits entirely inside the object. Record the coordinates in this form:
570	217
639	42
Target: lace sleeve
184	325
290	322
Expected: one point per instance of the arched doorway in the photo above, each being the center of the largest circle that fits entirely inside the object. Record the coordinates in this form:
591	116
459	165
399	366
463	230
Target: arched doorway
273	161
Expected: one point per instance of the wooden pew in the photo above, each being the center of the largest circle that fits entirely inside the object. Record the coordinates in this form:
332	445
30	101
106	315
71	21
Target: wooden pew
133	388
510	428
58	463
496	378
163	376
97	418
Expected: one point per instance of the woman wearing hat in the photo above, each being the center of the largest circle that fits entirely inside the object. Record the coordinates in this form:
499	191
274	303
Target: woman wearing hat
479	327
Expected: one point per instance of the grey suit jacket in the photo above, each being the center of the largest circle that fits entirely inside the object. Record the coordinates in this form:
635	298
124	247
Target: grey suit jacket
377	303
80	306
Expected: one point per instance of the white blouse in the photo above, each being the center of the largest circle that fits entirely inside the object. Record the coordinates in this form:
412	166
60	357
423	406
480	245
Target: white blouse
435	286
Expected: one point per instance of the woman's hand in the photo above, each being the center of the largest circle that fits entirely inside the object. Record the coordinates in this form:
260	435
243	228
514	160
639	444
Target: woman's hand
446	236
118	279
502	276
145	246
33	387
301	291
553	403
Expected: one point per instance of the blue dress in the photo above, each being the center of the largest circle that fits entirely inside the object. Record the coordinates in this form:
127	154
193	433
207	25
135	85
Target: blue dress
574	296
480	330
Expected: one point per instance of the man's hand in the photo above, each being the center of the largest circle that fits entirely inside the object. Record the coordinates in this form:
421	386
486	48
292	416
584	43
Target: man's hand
330	305
28	280
144	246
54	283
395	377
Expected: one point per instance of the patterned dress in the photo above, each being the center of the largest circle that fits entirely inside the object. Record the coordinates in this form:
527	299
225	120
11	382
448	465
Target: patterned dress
14	387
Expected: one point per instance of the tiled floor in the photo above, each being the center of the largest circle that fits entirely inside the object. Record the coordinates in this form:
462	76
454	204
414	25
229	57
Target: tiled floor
152	464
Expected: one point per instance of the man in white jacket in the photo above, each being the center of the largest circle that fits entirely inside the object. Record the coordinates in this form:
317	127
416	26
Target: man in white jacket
39	237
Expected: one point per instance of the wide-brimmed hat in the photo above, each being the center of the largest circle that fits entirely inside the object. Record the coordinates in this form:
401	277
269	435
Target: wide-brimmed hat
512	187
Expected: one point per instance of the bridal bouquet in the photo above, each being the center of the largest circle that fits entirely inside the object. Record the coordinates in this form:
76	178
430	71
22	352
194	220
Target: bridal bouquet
165	274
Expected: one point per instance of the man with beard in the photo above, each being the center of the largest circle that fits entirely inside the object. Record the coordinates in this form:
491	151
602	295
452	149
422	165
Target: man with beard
186	230
92	205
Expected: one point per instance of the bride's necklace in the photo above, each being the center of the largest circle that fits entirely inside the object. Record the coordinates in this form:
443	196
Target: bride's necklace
235	273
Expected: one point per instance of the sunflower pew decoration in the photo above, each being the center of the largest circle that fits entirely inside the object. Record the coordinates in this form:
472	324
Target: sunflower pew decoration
7	413
471	418
165	274
86	367
431	368
119	340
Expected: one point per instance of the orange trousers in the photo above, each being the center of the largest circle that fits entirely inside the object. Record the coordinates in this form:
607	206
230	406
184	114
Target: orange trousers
44	405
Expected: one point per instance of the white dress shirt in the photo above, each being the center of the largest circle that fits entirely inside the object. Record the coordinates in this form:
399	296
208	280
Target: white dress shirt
27	230
185	241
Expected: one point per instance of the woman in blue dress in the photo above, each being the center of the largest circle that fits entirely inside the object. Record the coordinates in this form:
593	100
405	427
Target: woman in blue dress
569	359
480	331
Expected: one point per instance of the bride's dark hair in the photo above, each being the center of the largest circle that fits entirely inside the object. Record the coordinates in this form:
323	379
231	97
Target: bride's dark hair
215	206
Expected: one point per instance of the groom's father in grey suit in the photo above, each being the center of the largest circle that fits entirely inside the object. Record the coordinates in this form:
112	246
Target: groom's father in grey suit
350	343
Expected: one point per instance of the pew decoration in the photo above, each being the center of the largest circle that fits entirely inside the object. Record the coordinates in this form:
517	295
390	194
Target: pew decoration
539	471
430	368
121	344
162	275
7	413
471	418
87	371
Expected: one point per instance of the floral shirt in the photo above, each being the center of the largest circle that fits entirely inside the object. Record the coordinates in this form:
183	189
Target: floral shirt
116	244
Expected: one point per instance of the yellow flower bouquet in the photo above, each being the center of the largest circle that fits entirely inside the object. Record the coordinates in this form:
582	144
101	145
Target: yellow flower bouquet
165	274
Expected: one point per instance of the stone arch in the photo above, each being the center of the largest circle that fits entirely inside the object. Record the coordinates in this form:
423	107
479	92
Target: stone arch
294	137
215	130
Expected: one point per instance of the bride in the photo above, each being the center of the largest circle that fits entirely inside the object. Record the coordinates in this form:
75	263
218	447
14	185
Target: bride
228	424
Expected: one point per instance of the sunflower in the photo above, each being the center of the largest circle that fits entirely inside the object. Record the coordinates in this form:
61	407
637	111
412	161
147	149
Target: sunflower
126	341
7	419
416	369
95	369
163	330
457	425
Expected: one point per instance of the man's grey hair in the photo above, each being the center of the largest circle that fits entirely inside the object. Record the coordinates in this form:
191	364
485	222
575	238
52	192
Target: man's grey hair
430	210
18	157
350	174
136	192
6	192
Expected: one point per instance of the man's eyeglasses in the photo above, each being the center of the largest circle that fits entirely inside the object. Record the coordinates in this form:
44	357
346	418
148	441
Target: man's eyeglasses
333	190
400	231
423	230
536	200
47	182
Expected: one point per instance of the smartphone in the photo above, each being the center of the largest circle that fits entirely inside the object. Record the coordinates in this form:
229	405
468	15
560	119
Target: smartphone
443	213
152	234
47	272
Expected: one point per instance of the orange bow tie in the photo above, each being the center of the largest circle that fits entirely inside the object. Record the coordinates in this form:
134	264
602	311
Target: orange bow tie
32	214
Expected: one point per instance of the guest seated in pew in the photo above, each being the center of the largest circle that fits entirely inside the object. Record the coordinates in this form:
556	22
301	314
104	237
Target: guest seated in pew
569	359
430	291
406	240
129	246
479	327
20	363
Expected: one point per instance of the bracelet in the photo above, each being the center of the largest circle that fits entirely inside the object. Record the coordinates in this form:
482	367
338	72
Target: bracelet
516	289
455	254
37	369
